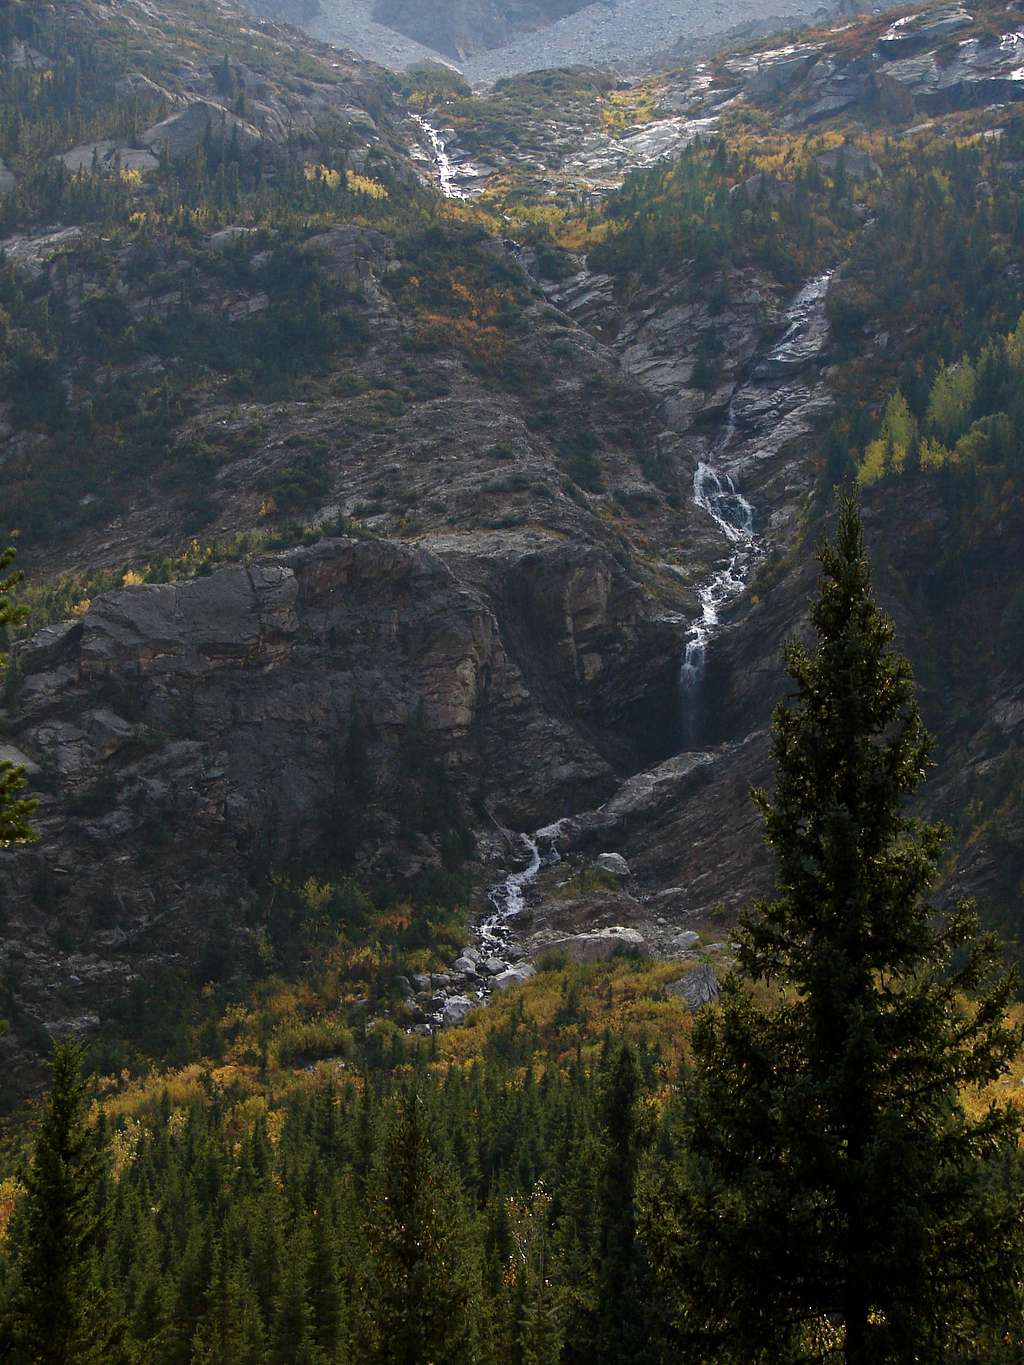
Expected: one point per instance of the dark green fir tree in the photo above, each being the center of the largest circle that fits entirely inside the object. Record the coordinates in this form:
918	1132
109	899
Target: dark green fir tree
836	1200
14	809
421	1301
56	1312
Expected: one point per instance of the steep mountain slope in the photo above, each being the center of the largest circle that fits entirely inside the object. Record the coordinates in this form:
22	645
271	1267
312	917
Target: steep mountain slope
367	528
490	40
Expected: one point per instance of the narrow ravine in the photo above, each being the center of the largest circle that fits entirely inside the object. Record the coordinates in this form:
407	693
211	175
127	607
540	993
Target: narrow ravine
716	493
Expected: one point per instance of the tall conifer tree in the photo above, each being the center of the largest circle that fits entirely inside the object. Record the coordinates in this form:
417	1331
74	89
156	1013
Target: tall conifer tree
836	1200
14	810
57	1313
422	1294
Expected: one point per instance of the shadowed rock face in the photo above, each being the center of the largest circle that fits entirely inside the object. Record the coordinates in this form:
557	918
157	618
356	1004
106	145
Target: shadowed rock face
185	737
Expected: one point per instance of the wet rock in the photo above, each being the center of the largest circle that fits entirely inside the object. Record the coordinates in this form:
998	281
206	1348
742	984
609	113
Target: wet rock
697	988
492	966
614	863
465	965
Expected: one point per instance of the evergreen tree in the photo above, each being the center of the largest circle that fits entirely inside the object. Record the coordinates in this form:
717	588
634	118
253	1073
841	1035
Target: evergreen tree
421	1299
623	1298
57	1313
14	810
835	1199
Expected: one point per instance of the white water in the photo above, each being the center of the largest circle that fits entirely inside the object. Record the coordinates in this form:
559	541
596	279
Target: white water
508	898
445	170
715	492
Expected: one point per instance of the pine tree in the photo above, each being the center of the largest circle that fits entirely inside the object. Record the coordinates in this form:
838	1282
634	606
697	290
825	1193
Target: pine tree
623	1316
835	1199
14	810
421	1299
57	1313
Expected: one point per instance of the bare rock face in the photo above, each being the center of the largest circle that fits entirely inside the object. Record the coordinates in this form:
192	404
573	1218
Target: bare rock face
184	737
184	131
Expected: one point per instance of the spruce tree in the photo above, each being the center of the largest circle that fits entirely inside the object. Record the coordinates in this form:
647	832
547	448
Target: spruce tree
14	810
836	1200
421	1298
57	1313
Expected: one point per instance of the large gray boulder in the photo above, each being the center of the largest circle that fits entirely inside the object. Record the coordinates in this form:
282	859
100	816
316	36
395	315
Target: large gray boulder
514	976
614	863
455	1009
602	944
696	989
109	157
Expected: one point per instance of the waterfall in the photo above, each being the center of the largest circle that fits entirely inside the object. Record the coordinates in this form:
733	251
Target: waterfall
443	162
715	493
507	898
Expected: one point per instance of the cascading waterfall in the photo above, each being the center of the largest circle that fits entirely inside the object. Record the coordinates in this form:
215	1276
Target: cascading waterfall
445	169
715	492
508	897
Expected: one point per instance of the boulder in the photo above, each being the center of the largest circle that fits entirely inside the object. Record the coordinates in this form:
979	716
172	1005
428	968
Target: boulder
455	1009
856	163
465	965
696	989
492	966
514	976
613	862
602	944
762	186
773	77
915	32
685	941
109	157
